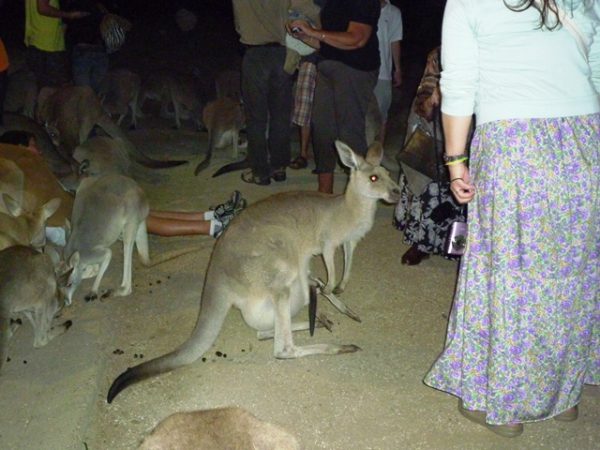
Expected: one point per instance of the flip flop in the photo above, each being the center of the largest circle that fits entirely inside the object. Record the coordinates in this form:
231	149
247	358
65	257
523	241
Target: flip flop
299	162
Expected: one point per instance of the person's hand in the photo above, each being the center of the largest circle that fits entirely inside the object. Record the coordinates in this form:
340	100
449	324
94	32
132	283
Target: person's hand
77	14
397	80
300	29
460	183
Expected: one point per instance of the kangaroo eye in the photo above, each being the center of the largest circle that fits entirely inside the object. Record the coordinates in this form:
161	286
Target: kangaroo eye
374	178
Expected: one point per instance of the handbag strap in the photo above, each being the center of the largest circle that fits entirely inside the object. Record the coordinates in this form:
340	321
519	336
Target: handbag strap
572	27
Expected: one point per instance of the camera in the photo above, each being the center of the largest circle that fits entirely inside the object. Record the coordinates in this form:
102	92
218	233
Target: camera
456	240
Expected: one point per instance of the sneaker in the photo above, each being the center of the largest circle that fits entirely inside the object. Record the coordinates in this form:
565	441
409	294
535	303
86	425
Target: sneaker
216	228
231	208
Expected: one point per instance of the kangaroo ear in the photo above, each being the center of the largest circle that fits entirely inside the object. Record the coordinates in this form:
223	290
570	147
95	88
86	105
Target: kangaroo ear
84	168
50	208
375	154
74	260
347	155
11	205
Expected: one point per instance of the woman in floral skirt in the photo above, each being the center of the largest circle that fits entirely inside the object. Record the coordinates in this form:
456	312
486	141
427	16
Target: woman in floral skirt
524	333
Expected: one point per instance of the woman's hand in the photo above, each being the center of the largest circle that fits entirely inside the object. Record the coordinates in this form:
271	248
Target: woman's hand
300	29
460	183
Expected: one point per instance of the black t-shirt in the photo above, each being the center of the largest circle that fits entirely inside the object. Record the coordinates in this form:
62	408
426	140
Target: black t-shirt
87	29
336	15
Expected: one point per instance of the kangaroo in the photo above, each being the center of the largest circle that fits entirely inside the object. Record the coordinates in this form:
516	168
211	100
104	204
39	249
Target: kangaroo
28	286
38	186
75	110
218	429
223	118
177	90
21	227
106	207
261	263
60	162
119	94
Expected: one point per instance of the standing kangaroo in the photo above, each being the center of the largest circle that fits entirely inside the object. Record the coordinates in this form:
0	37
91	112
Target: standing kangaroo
223	118
261	263
28	286
106	207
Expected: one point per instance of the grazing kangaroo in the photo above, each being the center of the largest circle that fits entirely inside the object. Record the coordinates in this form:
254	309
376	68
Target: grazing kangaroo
28	286
180	91
119	94
218	429
261	264
20	227
106	207
75	110
223	118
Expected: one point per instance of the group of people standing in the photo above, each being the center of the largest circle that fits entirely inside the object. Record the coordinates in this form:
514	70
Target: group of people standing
520	108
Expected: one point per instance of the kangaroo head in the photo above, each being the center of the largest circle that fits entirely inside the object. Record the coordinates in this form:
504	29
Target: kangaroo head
29	225
53	132
367	177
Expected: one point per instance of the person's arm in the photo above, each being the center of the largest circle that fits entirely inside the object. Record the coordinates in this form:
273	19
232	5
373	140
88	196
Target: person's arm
456	136
356	35
45	9
396	49
594	54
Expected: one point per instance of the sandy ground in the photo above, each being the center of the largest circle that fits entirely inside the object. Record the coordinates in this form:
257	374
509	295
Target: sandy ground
54	398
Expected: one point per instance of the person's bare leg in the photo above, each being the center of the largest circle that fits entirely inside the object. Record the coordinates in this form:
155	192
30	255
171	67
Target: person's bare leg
326	182
304	140
170	227
178	215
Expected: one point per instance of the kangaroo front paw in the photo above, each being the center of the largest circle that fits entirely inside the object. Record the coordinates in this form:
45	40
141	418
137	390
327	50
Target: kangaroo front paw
91	297
349	348
105	294
338	290
323	321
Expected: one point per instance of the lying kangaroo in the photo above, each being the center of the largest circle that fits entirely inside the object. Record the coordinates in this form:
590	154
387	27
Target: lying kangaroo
75	110
60	162
119	94
223	118
28	286
106	207
218	429
20	227
174	90
261	263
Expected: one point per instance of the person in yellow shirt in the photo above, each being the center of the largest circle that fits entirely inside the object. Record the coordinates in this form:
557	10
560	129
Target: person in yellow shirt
45	41
3	77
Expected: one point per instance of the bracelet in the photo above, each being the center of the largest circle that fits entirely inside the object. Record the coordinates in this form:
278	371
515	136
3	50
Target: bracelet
450	158
454	179
457	161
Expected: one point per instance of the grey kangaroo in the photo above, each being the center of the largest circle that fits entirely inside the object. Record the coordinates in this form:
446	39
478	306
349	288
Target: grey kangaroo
28	287
218	429
106	207
261	264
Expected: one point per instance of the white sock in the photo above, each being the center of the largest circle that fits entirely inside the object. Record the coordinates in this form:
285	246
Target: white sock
215	227
209	215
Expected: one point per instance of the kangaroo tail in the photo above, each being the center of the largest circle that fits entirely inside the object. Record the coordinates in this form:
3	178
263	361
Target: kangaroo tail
114	131
210	320
206	161
232	167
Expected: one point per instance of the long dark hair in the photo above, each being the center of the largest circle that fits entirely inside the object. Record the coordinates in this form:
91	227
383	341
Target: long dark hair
548	11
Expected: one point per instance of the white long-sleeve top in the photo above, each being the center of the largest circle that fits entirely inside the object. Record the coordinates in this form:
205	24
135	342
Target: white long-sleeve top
499	64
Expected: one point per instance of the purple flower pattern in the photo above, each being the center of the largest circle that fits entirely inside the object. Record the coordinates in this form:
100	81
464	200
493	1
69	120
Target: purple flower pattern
524	332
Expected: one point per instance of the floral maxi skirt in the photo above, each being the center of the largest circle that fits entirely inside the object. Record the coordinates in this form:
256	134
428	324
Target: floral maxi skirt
524	332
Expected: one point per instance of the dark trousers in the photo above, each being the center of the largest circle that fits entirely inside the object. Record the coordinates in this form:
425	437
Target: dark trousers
267	94
49	68
340	106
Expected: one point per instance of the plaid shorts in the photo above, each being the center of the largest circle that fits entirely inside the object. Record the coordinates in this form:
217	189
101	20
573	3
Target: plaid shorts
305	92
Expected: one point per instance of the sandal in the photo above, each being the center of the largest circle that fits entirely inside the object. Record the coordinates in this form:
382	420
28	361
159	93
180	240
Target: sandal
249	177
478	417
299	162
569	415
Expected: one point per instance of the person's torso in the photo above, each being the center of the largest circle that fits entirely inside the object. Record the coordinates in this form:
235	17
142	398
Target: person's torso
260	21
87	29
525	69
44	33
336	16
